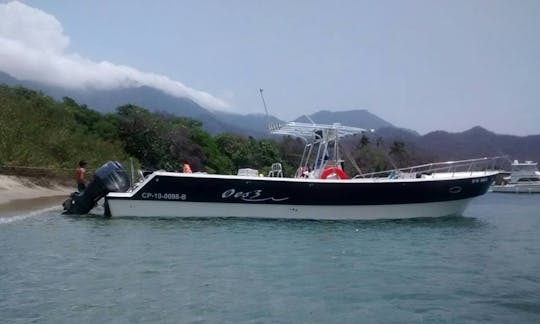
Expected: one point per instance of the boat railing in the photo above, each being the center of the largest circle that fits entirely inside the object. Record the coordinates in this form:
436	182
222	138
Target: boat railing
450	167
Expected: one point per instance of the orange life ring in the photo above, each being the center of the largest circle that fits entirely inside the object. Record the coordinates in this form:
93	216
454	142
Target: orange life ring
333	170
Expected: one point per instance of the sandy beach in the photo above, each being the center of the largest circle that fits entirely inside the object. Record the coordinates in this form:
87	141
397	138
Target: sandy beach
22	194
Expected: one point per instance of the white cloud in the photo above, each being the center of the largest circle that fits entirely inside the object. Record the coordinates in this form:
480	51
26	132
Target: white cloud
33	46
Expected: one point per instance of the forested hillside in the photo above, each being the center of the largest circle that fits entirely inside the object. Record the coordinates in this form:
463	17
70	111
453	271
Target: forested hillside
40	132
37	131
106	101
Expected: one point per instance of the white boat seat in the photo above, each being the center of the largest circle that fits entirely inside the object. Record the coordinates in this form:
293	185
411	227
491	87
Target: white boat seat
276	171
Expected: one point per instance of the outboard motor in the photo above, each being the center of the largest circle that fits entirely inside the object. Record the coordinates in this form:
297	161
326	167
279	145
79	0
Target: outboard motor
111	177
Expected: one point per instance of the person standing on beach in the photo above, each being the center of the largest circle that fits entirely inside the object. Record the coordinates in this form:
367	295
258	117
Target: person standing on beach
79	176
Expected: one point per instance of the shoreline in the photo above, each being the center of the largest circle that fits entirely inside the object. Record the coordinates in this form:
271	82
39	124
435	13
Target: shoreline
20	194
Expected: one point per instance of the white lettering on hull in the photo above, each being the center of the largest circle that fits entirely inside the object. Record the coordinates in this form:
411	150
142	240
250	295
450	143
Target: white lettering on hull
163	196
249	196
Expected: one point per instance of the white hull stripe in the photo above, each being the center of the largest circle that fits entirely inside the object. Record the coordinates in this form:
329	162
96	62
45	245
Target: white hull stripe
138	208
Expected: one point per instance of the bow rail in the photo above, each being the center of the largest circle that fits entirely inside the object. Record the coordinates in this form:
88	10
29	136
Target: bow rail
452	167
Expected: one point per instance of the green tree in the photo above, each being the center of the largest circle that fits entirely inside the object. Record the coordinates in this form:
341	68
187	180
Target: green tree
364	141
236	148
399	154
141	135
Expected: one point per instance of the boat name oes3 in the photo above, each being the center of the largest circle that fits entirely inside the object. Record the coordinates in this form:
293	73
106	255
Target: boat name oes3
253	196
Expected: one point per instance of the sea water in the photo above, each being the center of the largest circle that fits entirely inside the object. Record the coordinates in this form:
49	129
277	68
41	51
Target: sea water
482	267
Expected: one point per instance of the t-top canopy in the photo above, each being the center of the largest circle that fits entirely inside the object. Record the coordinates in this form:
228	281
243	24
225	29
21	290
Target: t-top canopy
305	130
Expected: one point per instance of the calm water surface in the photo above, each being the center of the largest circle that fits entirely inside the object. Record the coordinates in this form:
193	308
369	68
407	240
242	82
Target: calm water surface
483	267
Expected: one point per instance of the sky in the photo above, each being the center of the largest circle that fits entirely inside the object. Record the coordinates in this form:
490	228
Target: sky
420	64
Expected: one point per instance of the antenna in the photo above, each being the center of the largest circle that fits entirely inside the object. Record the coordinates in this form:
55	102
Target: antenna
309	118
265	110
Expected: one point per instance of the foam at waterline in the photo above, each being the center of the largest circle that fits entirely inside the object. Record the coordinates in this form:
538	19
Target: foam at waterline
19	217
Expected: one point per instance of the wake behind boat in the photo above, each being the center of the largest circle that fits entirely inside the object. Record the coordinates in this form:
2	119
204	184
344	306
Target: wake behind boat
320	189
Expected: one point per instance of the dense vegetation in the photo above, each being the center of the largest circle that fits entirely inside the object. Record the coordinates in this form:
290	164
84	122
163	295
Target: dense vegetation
37	131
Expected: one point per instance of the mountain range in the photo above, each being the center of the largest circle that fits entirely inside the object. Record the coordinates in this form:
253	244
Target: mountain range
441	145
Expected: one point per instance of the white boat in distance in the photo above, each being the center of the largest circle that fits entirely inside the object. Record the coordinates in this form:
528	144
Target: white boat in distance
320	189
524	178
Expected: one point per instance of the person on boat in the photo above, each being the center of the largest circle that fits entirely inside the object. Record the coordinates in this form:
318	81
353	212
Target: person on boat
79	175
186	168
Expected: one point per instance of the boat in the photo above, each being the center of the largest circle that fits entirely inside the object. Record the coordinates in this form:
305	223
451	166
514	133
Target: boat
319	190
524	178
